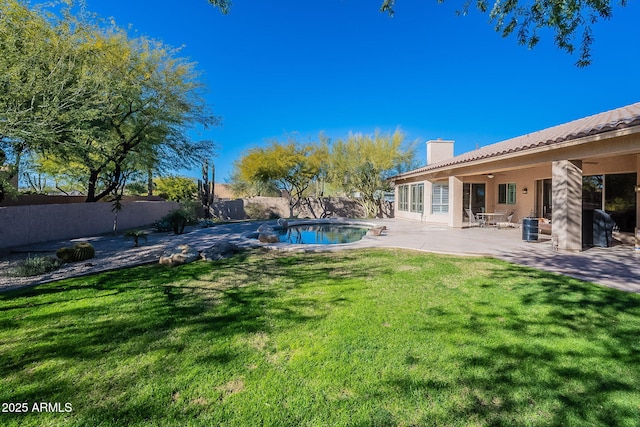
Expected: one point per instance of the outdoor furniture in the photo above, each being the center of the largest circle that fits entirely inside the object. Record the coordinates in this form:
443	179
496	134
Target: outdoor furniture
603	226
510	222
544	226
492	218
473	220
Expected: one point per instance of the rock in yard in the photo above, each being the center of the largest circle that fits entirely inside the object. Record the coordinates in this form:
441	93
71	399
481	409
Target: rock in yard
376	231
182	254
220	251
268	238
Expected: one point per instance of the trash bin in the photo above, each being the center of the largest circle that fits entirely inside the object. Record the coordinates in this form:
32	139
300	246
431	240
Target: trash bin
602	228
529	229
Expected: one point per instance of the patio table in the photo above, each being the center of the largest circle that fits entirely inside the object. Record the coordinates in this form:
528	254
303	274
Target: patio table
492	218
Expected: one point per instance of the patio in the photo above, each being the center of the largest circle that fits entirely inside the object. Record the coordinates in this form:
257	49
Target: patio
616	267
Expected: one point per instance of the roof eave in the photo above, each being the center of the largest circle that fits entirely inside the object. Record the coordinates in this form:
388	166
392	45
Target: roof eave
425	170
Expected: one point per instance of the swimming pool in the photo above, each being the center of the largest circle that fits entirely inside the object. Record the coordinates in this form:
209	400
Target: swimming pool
312	232
321	234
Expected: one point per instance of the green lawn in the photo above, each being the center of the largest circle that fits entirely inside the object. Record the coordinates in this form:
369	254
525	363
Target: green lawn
359	338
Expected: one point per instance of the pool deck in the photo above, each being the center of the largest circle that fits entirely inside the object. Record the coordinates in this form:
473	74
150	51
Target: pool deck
616	267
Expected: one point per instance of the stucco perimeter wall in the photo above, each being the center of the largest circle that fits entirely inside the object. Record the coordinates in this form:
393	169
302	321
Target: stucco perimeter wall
23	225
333	207
239	209
279	207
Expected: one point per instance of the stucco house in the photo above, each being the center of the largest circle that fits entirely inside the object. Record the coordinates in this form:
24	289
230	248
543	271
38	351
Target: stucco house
560	173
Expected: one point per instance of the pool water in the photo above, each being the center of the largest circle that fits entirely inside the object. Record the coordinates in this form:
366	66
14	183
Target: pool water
321	234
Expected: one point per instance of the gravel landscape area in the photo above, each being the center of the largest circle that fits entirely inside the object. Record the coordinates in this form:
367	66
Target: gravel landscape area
114	252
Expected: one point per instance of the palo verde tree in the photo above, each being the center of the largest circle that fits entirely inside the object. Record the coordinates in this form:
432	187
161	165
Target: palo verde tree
176	188
149	98
77	91
41	96
242	187
292	166
361	164
569	21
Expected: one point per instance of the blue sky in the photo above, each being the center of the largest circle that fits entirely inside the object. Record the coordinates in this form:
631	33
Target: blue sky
274	68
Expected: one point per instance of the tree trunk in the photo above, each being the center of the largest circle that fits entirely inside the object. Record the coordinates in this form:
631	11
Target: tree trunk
115	181
149	182
91	189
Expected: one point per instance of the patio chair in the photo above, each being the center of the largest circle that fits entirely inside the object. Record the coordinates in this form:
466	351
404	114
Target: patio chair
473	220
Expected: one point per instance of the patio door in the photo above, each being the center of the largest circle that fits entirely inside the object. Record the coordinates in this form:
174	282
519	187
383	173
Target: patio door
473	197
544	198
615	194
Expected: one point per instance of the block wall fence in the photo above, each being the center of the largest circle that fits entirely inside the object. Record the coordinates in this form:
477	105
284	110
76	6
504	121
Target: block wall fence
36	223
24	225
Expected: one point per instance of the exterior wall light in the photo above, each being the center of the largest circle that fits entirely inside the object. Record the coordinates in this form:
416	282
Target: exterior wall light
524	190
490	176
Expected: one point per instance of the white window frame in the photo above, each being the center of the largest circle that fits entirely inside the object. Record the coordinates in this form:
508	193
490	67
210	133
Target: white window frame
403	197
440	198
417	198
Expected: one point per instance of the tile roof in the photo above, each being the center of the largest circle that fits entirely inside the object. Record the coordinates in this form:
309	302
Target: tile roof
619	118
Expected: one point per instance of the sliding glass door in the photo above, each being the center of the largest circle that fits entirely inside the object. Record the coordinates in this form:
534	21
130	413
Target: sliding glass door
473	197
615	194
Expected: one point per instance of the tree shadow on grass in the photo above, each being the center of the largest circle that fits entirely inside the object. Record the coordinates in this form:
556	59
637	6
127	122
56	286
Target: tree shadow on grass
555	351
117	317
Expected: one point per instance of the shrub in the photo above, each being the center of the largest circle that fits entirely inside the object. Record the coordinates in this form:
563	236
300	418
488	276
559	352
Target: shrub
162	225
176	220
193	209
36	266
135	235
206	223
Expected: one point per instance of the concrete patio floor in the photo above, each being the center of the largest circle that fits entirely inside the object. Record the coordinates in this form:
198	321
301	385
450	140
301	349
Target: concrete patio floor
617	267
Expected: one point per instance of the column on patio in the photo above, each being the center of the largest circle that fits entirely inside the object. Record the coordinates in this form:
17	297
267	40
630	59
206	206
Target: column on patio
637	230
455	202
567	204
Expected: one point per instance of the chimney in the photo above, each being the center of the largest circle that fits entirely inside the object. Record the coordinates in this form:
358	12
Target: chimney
439	150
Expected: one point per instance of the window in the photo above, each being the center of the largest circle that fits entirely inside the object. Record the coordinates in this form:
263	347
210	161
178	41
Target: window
440	198
403	198
417	198
507	194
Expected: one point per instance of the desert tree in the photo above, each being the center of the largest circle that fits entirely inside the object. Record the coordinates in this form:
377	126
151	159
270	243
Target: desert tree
361	164
293	166
77	90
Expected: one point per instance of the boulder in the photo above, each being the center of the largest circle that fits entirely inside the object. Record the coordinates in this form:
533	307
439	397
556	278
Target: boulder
376	231
182	254
268	238
265	227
